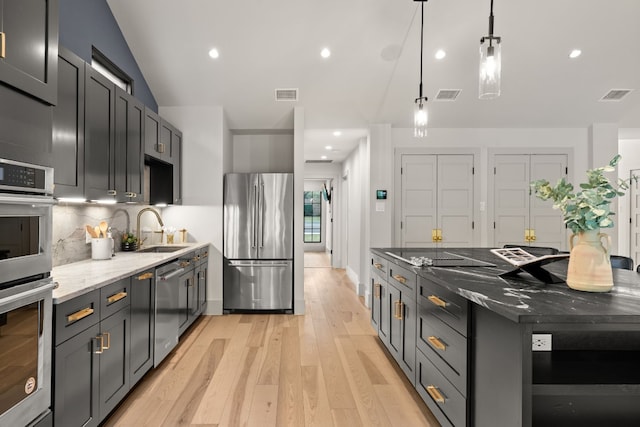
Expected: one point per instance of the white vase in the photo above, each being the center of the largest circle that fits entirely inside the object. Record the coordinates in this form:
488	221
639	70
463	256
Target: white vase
589	262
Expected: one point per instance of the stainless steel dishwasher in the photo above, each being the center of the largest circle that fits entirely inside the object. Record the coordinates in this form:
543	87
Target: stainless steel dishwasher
166	311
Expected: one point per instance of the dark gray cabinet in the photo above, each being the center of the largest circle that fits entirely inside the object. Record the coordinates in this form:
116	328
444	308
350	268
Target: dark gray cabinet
26	24
152	144
202	278
99	136
142	324
68	127
176	159
128	165
187	294
91	367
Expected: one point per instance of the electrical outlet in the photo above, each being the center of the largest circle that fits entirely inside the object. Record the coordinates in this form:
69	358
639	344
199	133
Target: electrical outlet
541	342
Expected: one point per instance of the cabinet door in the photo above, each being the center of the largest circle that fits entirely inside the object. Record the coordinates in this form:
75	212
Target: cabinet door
184	299
114	360
142	324
547	222
128	148
99	136
407	359
29	61
395	327
376	292
203	273
68	127
386	312
152	134
176	158
76	379
419	199
511	198
455	200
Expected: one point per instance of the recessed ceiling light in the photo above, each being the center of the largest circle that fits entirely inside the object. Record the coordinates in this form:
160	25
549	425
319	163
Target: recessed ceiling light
214	53
440	54
323	157
325	53
575	53
328	147
337	133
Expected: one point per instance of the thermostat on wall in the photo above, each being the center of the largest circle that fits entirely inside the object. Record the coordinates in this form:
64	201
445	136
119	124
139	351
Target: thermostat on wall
381	194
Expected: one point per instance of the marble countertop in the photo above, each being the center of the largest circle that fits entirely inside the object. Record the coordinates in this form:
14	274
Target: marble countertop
524	299
81	277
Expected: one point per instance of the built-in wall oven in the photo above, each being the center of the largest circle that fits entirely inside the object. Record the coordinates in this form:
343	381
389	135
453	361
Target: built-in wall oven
25	291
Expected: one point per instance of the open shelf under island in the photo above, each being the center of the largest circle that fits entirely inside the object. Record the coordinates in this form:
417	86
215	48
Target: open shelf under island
464	336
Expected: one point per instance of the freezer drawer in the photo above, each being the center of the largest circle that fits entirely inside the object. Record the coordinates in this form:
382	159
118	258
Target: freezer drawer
258	285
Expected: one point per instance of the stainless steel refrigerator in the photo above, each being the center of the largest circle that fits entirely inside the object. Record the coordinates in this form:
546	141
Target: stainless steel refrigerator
258	242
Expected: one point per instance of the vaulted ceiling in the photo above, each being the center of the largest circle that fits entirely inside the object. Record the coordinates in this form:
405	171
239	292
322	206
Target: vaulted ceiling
373	72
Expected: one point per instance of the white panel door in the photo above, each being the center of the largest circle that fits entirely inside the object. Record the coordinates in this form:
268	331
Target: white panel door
511	198
547	222
634	238
455	200
419	196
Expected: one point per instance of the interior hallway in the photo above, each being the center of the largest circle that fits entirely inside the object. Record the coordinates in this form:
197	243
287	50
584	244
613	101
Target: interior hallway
326	368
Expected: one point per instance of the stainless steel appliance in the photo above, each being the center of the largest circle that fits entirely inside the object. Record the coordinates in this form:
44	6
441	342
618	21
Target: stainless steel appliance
258	242
166	311
25	291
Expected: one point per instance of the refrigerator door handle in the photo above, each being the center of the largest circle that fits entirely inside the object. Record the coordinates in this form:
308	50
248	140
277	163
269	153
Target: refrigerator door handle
262	215
254	219
257	264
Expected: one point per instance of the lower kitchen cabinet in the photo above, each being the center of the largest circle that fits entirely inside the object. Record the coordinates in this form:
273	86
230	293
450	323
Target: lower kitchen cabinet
202	275
187	293
114	360
142	324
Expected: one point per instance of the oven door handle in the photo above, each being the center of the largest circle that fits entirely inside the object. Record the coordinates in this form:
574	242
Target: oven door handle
22	295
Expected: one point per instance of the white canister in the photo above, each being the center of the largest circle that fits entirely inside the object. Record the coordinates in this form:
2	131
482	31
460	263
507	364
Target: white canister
101	248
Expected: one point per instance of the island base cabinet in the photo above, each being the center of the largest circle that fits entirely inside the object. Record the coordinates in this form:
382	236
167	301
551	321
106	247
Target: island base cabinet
402	331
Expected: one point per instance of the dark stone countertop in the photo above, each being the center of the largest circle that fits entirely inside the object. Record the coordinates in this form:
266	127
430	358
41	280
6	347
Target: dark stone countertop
524	299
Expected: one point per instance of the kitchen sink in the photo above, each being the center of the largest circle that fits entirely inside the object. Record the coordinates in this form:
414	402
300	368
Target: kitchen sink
161	249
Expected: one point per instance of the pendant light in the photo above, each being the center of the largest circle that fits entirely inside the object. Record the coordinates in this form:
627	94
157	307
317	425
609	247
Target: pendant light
420	114
490	63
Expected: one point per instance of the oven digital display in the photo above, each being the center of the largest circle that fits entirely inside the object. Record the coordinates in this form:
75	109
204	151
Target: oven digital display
22	176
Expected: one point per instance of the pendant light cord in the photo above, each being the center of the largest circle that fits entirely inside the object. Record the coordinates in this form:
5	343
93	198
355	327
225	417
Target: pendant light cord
421	39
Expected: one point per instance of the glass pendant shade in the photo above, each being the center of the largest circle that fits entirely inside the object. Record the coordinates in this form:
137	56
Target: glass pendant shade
490	69
420	119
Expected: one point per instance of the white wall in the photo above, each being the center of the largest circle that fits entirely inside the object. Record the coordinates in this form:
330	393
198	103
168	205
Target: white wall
298	210
629	149
263	153
206	142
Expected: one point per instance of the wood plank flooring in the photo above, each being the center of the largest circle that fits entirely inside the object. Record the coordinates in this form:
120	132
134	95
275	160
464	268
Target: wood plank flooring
326	368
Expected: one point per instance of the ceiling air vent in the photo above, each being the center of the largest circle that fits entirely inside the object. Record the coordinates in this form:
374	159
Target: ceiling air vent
286	94
616	94
447	94
318	161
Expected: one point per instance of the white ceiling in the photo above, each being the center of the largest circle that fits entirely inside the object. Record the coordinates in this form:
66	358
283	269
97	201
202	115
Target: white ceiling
265	45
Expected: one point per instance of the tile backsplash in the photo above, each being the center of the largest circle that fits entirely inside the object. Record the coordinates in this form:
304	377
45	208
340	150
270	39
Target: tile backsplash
69	220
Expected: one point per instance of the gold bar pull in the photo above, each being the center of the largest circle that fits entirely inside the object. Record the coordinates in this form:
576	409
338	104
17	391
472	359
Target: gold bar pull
532	234
376	291
437	301
184	264
400	279
434	235
106	347
378	265
100	340
145	276
74	317
398	313
116	297
3	52
434	341
527	234
435	393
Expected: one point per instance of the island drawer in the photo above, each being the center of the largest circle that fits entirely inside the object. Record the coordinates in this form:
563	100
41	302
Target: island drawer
442	398
114	296
379	265
404	280
452	309
444	347
76	315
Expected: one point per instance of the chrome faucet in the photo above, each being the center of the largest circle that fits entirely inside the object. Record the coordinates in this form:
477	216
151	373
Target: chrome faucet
138	223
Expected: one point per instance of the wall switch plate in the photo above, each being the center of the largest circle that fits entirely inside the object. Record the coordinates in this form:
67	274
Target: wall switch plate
541	342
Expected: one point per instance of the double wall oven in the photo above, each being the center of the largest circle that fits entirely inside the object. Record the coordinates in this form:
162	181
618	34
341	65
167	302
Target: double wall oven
25	291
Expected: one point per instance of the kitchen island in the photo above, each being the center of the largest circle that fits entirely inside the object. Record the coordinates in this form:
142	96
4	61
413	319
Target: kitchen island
486	350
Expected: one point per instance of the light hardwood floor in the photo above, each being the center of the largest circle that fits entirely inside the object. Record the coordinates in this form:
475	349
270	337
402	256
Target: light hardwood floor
326	368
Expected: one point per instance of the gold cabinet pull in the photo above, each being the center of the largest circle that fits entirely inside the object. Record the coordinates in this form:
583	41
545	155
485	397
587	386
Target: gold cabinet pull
435	393
434	235
145	276
437	301
376	290
116	297
2	45
400	279
184	264
160	147
435	341
100	339
398	311
532	234
81	314
108	346
378	265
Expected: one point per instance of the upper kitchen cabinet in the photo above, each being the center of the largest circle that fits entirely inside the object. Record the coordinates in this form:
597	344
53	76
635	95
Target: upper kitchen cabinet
29	47
152	144
68	127
171	133
163	147
129	147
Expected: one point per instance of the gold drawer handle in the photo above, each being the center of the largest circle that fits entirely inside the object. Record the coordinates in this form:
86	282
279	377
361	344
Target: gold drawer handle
116	297
145	276
435	393
108	346
376	292
184	264
78	315
2	45
400	279
100	339
378	265
437	301
434	341
398	311
196	258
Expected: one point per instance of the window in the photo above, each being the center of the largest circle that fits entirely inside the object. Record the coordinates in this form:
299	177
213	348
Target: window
312	216
104	66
